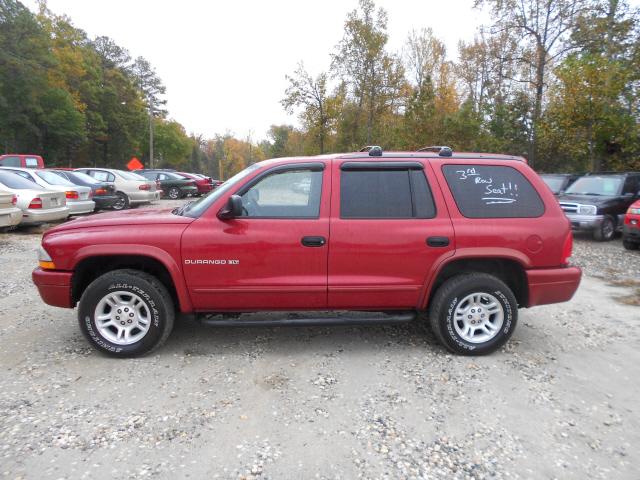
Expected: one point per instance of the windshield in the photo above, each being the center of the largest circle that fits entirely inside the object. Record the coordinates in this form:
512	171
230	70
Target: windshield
593	185
554	183
174	176
54	179
12	180
131	176
198	207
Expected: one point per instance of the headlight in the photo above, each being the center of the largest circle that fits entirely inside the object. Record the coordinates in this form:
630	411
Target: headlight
587	209
44	259
634	211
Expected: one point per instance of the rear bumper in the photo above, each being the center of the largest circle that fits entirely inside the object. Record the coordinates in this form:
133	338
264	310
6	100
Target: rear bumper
32	215
105	201
79	207
54	287
10	217
552	285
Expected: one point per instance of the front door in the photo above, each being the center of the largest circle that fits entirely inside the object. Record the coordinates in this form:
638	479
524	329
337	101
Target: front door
272	257
389	227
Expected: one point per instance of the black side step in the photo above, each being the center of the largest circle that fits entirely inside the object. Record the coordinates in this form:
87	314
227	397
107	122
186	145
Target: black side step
298	320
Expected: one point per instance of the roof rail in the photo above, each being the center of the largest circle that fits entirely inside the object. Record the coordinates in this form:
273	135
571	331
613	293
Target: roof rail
442	151
374	150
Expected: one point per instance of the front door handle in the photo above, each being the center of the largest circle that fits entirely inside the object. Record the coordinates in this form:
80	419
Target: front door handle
438	241
313	241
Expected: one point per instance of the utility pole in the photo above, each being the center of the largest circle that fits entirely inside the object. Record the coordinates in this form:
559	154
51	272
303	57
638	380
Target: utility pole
150	132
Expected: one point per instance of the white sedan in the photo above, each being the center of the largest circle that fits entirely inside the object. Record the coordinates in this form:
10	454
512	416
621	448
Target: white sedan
37	204
131	188
78	197
10	215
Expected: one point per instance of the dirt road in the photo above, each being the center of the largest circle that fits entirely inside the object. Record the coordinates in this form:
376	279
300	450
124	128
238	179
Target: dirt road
560	401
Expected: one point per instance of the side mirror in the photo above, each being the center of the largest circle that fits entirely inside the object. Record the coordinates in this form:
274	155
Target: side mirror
232	209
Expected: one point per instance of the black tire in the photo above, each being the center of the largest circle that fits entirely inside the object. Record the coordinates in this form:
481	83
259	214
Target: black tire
157	302
174	193
122	203
606	231
452	293
629	245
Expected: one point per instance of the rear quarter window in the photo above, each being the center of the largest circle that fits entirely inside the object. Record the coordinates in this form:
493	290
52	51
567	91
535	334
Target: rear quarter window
492	191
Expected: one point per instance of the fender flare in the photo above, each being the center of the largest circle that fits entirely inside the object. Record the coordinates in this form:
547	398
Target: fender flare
111	249
479	253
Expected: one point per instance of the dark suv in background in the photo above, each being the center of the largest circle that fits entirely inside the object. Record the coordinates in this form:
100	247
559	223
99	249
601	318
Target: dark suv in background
597	202
173	185
559	182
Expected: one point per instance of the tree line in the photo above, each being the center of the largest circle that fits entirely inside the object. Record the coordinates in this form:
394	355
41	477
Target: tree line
557	81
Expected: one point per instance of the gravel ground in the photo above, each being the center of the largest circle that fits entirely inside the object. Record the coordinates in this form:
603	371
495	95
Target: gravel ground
559	401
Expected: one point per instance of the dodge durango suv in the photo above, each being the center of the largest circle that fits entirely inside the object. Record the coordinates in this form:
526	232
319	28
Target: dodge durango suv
461	241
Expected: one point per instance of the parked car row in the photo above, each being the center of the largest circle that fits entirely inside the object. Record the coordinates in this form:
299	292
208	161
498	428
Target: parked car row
597	202
30	194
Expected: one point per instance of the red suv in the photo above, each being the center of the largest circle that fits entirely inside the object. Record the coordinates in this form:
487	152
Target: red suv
459	240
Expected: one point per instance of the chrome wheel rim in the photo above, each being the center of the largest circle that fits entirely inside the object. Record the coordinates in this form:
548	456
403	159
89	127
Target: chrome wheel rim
478	317
122	318
174	193
119	205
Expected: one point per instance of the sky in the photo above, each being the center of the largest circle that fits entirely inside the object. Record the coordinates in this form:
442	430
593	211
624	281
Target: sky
224	62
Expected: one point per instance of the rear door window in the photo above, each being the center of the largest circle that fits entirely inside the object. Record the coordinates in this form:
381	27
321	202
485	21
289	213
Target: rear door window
393	192
482	191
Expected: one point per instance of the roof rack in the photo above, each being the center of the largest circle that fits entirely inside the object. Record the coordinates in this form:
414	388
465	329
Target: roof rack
442	151
374	150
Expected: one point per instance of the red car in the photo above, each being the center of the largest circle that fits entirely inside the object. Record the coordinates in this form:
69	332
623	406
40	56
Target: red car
204	184
21	160
461	240
631	227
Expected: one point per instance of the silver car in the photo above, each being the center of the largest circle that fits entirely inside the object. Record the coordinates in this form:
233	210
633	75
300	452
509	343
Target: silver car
131	188
37	204
78	197
10	215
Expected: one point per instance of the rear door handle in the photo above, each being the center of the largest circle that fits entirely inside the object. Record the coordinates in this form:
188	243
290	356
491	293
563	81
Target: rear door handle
313	241
438	241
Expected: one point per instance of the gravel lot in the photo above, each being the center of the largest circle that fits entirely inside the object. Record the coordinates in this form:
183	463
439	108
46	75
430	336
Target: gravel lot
559	401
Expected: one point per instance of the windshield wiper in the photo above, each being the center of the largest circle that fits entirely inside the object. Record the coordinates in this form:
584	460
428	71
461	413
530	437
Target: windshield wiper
183	209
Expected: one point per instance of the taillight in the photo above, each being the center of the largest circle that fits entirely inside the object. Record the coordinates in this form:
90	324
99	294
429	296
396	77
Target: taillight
14	200
100	191
144	187
72	195
567	248
36	203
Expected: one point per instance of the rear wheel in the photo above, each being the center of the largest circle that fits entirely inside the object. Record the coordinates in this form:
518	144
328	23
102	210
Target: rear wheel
473	314
174	193
126	313
606	231
122	203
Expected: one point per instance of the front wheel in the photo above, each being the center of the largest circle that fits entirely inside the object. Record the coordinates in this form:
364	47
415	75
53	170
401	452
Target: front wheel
606	231
174	193
126	313
629	245
473	314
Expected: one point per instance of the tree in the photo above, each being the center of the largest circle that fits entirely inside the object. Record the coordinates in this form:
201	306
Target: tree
541	29
310	94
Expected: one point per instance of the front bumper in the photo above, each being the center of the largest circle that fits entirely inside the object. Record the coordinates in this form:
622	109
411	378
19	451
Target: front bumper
584	222
31	215
10	217
54	287
204	187
631	232
552	285
79	207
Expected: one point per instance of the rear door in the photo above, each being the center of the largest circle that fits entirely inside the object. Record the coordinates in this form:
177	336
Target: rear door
389	226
